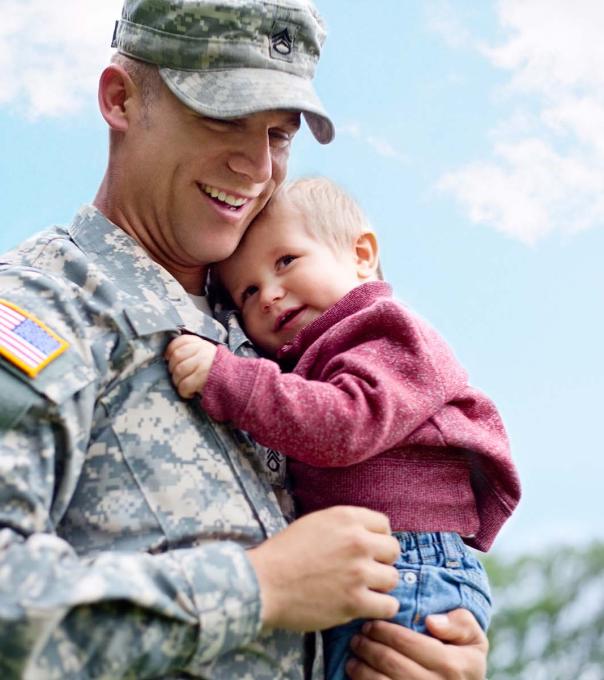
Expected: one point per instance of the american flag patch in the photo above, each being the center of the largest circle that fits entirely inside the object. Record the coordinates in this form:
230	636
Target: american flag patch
26	341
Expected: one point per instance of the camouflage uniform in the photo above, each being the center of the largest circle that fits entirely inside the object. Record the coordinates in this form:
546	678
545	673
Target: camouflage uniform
126	512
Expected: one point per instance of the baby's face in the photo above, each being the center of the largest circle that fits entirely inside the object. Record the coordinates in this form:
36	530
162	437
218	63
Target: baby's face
282	278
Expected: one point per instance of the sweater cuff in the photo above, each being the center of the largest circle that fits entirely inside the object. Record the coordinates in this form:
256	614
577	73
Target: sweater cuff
229	387
227	599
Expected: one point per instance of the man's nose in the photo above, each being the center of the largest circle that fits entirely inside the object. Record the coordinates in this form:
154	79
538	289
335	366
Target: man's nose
253	158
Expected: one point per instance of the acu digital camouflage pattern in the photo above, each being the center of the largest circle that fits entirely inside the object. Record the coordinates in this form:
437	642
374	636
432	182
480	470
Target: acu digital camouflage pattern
124	511
231	58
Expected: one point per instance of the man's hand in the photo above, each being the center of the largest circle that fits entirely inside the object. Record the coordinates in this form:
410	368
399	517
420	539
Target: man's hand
327	568
189	360
387	650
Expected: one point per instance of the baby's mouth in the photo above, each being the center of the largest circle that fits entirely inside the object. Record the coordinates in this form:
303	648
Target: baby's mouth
287	316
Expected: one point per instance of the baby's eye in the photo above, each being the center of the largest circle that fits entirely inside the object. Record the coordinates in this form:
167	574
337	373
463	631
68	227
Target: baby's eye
248	292
285	260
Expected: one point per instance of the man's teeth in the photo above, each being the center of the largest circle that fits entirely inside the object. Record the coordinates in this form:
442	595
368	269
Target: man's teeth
223	197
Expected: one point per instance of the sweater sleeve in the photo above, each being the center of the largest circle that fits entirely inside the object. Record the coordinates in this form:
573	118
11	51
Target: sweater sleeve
372	386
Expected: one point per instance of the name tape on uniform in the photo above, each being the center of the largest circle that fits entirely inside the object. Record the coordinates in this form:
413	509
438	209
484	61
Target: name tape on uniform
27	342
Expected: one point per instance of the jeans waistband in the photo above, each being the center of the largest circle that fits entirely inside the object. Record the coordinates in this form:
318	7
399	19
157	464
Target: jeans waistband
438	548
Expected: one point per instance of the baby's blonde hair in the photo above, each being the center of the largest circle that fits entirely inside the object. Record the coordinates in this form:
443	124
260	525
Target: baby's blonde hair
329	212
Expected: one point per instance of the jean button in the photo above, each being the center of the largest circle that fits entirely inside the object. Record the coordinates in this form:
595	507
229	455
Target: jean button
409	577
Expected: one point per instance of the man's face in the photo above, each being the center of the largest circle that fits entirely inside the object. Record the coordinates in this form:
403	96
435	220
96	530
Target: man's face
282	278
194	184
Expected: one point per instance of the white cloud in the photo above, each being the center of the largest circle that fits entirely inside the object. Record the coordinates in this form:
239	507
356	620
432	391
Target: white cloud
380	146
554	44
442	18
530	189
51	54
546	173
352	129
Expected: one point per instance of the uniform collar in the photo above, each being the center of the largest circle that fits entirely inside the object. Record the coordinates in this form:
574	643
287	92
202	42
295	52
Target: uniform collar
143	284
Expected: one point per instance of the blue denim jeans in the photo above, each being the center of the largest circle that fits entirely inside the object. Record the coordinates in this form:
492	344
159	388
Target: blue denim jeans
437	573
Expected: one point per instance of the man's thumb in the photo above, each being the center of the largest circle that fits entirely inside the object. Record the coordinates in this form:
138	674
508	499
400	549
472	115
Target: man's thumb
458	627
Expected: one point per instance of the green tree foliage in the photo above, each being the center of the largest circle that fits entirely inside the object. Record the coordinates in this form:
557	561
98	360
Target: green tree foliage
549	615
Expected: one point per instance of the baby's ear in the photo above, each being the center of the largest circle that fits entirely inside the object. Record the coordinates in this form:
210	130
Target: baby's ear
366	255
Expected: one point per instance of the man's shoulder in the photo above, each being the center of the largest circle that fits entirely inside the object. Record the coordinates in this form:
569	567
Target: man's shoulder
28	251
48	311
49	257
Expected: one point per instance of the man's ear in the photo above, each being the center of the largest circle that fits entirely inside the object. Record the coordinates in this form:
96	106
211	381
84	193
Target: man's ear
116	95
366	255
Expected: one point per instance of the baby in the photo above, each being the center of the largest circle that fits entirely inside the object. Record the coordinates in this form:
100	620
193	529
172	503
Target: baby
363	396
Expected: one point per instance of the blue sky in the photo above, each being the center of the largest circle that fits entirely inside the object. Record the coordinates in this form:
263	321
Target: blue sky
473	136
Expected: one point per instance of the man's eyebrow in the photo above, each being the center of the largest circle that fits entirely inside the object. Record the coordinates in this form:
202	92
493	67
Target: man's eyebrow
297	119
294	119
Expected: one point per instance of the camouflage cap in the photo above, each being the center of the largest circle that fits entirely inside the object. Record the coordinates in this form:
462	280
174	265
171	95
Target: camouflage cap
231	58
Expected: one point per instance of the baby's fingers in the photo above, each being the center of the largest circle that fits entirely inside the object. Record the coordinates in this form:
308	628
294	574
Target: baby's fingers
181	368
183	346
187	387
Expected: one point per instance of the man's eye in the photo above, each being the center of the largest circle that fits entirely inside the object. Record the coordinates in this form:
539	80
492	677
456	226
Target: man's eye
280	139
285	260
248	292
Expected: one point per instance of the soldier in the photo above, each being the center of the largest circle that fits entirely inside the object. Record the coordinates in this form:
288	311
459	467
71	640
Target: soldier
139	539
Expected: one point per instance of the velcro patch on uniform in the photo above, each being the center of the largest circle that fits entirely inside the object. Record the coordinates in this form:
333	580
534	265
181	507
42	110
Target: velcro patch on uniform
26	341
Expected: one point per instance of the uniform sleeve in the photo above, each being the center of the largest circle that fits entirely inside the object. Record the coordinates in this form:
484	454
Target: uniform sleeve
370	395
64	616
117	614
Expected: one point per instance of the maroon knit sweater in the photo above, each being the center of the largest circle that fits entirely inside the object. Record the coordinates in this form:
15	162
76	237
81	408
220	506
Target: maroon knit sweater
377	412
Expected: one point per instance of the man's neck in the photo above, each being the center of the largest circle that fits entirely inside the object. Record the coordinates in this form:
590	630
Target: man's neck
192	279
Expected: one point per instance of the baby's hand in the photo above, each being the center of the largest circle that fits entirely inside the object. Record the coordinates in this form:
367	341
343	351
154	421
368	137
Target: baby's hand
189	360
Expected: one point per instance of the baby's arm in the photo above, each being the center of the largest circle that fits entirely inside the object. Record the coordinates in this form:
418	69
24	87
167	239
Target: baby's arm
189	360
354	410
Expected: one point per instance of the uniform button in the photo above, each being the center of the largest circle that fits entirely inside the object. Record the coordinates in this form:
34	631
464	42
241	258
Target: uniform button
409	577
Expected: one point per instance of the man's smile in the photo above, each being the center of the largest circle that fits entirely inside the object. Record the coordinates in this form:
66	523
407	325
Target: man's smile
230	201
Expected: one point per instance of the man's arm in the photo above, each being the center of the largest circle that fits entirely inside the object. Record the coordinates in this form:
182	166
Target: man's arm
67	616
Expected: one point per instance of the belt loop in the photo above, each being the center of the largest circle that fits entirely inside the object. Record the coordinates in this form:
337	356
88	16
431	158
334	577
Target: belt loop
425	547
452	551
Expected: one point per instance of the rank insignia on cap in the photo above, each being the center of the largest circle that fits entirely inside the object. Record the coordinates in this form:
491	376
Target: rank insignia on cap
282	42
26	341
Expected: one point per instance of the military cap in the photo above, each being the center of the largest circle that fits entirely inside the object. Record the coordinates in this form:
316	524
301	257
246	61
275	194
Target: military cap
231	58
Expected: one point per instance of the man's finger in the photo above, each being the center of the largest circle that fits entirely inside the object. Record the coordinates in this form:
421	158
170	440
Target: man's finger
382	578
352	515
357	670
376	661
421	649
384	549
378	605
372	520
